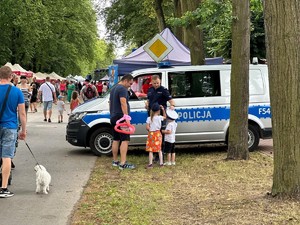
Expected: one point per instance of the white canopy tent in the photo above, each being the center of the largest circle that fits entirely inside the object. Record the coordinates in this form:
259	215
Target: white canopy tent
56	76
40	76
79	78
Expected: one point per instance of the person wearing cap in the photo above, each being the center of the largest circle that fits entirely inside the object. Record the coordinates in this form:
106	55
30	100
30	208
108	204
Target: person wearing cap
60	108
154	139
170	137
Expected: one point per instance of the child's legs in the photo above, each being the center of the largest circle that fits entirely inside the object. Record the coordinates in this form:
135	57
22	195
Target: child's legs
160	157
168	149
173	157
169	157
60	115
173	152
150	158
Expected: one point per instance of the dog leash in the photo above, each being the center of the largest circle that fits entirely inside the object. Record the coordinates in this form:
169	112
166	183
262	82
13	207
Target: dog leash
32	154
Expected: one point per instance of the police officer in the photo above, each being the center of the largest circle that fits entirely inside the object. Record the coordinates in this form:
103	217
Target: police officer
158	94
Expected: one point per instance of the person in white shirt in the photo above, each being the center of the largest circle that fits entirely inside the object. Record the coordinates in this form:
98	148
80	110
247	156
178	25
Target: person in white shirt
154	138
60	108
170	137
47	90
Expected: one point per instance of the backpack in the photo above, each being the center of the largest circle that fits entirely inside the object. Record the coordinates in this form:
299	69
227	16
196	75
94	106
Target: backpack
89	92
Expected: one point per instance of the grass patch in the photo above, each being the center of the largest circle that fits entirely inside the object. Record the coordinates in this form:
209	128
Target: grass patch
202	188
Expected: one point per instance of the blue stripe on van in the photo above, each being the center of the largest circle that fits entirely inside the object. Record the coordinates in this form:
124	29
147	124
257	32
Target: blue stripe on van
192	114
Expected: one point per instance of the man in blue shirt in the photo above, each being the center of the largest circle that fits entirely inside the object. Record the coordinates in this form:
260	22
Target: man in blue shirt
9	125
119	107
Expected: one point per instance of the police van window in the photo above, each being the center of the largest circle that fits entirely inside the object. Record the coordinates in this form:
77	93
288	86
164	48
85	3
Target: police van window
194	84
256	84
141	84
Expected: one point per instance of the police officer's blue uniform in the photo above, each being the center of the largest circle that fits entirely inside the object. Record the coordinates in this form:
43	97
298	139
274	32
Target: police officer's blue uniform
160	95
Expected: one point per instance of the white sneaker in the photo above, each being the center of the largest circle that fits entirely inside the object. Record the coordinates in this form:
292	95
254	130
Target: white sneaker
167	164
173	163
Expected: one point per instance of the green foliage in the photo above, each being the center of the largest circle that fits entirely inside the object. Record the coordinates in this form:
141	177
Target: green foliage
127	20
49	35
215	18
133	21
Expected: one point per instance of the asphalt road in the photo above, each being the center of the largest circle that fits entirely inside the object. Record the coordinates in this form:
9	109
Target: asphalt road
69	166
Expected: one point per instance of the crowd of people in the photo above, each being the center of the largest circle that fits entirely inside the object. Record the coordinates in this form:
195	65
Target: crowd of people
21	96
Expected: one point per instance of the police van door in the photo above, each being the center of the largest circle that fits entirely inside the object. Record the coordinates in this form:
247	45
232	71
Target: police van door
203	112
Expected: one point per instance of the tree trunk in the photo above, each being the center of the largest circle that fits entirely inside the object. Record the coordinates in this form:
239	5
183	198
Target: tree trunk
282	22
239	102
178	31
194	36
160	14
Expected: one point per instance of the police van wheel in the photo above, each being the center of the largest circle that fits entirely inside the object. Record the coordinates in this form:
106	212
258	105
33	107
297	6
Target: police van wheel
253	137
101	141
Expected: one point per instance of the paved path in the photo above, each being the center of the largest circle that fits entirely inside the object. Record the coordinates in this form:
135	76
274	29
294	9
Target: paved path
69	166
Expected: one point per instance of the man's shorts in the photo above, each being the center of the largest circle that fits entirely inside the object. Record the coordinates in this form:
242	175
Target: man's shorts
116	135
8	139
47	105
169	147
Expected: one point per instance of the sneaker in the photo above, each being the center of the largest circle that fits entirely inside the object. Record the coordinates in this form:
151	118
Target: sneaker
115	163
126	166
49	120
45	120
167	163
5	193
149	166
173	163
161	165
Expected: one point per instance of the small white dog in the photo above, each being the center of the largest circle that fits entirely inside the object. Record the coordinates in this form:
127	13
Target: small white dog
43	179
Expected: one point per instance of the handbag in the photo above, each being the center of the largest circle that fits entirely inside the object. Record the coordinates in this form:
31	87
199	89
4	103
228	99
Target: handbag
4	102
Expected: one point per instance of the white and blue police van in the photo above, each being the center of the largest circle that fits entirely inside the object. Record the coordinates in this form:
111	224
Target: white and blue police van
202	101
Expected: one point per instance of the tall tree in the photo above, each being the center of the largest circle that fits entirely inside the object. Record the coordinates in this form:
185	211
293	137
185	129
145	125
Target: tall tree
160	14
129	21
178	31
282	19
193	35
239	100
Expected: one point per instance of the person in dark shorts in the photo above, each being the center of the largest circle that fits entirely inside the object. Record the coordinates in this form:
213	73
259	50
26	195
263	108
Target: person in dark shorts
119	108
170	137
